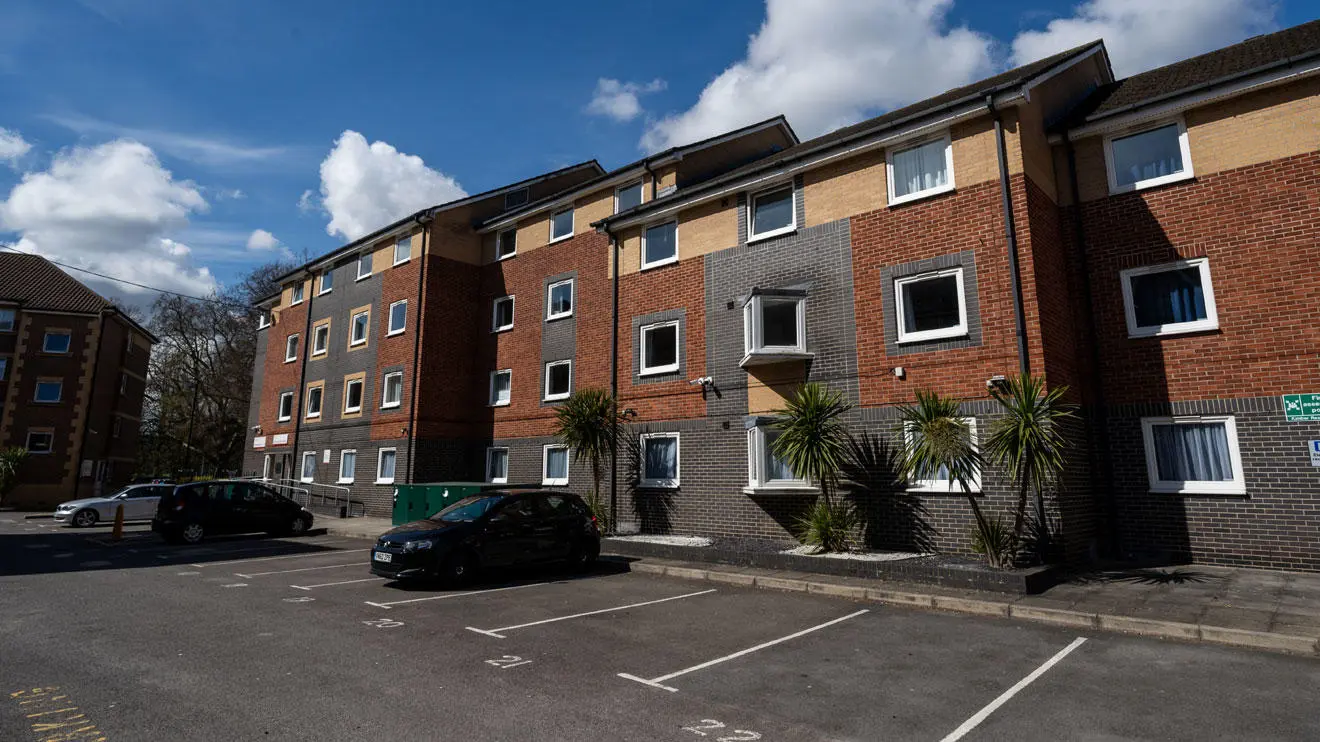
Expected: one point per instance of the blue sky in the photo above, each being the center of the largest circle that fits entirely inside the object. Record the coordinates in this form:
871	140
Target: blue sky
210	136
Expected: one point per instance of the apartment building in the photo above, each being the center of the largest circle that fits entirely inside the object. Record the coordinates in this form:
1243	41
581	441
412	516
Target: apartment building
72	377
1140	241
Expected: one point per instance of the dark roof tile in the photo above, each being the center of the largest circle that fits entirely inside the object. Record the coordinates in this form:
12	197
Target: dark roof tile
36	283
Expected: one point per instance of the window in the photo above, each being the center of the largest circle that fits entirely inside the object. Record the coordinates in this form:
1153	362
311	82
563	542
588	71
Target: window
327	282
392	396
561	225
771	213
320	339
358	332
296	294
554	464
659	460
626	197
764	469
40	441
558	380
774	324
506	244
385	461
353	395
501	314
1193	455
48	392
123	384
931	306
938	480
315	395
286	406
56	341
7	317
291	348
403	250
398	317
660	245
514	199
364	266
559	300
1148	158
4	368
497	465
501	387
659	348
919	171
116	427
1169	299
308	466
347	466
263	320
128	345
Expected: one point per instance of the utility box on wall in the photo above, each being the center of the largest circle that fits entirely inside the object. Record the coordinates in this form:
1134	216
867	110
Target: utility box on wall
418	501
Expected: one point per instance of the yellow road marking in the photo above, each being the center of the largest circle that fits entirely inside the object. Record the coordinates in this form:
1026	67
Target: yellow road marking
67	723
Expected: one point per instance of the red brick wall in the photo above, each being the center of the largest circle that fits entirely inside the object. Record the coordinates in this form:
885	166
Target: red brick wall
278	375
397	283
452	379
679	285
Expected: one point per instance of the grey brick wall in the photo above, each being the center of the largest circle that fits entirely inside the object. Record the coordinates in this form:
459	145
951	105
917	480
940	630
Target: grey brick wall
965	260
679	315
558	336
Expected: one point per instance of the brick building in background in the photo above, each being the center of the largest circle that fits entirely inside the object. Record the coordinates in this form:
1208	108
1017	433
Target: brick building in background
72	377
1145	242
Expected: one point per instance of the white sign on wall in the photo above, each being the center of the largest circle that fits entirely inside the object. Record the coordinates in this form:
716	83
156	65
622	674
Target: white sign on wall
1315	452
325	456
259	442
280	439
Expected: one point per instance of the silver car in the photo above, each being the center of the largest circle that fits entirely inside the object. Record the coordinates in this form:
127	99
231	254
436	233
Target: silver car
139	503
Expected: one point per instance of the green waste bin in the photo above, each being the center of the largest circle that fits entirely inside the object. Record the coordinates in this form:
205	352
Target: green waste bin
417	501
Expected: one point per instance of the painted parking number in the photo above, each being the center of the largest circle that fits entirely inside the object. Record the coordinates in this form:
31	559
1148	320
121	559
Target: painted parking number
508	661
708	725
383	623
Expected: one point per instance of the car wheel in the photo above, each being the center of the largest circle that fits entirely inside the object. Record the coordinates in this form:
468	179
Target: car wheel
84	518
583	555
299	526
192	533
459	569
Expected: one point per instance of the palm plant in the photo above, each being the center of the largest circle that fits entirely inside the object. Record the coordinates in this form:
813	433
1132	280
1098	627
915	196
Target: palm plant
10	459
1029	440
589	423
814	443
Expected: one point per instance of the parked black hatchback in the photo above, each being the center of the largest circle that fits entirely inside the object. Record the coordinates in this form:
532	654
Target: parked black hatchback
501	528
192	512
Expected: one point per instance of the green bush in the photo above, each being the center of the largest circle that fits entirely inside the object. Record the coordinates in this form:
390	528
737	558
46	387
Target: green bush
829	526
10	460
994	538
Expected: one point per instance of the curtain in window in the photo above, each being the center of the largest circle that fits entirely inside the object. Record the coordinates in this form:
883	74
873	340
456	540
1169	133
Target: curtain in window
661	458
1193	452
557	464
1150	154
920	168
1168	297
776	469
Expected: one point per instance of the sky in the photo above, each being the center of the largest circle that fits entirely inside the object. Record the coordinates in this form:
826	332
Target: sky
179	144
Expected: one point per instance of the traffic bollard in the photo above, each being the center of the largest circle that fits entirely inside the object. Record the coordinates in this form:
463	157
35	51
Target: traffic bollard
118	533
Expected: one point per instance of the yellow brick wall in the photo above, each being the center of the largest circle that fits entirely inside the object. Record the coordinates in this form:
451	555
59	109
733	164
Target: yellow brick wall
841	189
975	151
770	386
592	208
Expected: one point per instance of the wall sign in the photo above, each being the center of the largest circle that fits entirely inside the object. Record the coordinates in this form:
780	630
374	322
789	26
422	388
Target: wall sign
259	442
1301	407
280	439
1315	452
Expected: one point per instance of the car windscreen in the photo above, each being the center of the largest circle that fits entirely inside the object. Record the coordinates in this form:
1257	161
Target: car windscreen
468	509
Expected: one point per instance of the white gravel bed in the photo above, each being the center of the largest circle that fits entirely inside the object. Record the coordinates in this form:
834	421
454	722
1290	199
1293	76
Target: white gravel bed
666	540
861	556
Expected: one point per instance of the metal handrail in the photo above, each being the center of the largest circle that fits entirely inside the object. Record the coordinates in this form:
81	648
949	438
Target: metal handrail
340	498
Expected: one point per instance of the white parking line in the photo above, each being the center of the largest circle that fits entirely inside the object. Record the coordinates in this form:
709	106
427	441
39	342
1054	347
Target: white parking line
984	713
496	632
659	682
304	569
447	596
332	584
326	552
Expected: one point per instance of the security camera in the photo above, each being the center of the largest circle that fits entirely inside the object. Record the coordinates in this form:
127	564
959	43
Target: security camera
996	382
703	381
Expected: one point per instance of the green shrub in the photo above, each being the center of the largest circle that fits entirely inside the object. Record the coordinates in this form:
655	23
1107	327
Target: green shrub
994	538
829	526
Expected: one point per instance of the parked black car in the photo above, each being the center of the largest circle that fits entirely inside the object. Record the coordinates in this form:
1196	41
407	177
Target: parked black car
192	512
500	528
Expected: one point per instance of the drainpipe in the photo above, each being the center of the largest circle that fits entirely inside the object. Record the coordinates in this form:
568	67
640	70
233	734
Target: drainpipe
304	348
422	221
646	165
87	416
1010	232
614	374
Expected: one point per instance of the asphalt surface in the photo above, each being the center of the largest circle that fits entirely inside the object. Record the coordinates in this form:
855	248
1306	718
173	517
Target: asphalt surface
254	638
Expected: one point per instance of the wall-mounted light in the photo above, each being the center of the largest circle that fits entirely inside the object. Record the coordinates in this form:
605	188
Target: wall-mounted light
996	382
898	372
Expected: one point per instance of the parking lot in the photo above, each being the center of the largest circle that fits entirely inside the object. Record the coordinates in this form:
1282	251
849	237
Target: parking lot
250	638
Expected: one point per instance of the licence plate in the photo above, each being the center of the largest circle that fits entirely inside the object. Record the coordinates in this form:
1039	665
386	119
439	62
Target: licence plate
383	556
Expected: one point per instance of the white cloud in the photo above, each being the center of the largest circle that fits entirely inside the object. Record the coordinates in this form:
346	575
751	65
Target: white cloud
12	146
214	151
307	202
230	194
366	186
828	64
618	100
110	209
1141	35
261	240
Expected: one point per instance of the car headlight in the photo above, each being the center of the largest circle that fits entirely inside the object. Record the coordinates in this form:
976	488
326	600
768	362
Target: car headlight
418	545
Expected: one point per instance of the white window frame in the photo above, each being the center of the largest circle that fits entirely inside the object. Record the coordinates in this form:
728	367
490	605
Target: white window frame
499	240
572	229
123	383
756	464
128	344
663	261
490	477
753	330
296	294
572	299
11	315
1186	174
371	259
321	289
385	404
116	427
641	186
320	332
291	348
493	402
263	319
302	472
397	243
1211	321
1236	486
320	403
390	329
352	325
362	397
678	462
351	475
547	396
279	411
643	369
946	486
495	313
913	144
545	464
45	342
921	336
50	448
752	234
380	463
36	392
4	368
